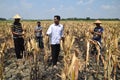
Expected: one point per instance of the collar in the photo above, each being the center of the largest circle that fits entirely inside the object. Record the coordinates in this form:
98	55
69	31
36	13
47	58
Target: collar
56	25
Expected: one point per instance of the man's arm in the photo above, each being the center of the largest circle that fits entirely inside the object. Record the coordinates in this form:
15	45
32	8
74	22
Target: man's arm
38	30
98	33
93	32
49	31
13	32
62	34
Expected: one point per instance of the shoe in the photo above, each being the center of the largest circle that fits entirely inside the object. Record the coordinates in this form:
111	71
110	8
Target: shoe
58	63
55	67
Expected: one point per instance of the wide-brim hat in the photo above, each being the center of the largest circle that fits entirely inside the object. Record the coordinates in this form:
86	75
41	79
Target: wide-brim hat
97	22
17	16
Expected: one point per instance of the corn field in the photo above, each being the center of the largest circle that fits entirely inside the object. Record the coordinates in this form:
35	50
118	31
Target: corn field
75	60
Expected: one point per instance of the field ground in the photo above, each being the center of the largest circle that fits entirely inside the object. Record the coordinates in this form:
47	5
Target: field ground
76	36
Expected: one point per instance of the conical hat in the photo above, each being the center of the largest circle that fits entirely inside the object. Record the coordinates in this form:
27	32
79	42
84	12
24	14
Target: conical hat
97	22
17	16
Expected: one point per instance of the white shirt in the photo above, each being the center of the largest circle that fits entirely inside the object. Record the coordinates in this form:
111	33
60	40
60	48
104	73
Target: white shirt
55	32
38	34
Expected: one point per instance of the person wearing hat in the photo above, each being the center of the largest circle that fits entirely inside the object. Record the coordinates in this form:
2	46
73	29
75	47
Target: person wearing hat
97	32
18	33
97	36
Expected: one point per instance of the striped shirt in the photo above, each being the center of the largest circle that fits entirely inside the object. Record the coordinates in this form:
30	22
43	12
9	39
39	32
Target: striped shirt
18	29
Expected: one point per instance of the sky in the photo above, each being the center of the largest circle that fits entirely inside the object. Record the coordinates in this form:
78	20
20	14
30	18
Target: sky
46	9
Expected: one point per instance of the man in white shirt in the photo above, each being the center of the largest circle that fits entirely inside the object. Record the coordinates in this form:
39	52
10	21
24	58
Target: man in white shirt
38	35
55	33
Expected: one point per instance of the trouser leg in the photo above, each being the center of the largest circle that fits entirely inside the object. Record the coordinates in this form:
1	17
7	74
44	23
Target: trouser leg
55	49
22	48
17	48
41	44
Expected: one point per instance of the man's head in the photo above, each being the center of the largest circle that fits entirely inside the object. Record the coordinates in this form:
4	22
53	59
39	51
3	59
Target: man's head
17	20
57	19
97	23
39	23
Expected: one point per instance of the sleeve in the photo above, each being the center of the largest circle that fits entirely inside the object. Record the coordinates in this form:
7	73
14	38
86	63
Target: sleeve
49	31
35	28
62	32
41	28
94	29
102	30
21	27
12	28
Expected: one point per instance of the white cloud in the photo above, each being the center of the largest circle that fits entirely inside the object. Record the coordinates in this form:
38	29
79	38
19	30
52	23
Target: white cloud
52	10
61	7
85	2
107	7
80	2
26	4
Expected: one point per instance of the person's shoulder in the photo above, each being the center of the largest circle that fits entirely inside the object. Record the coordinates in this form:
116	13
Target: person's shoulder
41	26
61	25
12	24
19	24
52	24
101	27
36	27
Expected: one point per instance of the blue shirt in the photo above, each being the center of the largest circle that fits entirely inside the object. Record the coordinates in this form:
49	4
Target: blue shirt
96	36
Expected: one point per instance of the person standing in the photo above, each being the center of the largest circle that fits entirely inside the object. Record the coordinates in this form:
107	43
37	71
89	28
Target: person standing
18	33
97	32
38	35
97	36
55	33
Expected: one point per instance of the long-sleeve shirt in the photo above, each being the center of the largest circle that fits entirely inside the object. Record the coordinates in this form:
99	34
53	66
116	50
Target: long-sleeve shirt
18	29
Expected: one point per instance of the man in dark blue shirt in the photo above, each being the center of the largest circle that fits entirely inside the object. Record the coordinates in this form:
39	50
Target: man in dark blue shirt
97	32
97	36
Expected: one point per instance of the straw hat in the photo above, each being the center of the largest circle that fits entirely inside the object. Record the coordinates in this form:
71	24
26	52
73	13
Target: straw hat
17	16
97	22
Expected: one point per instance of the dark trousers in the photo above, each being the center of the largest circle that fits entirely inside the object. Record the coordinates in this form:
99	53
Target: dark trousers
19	47
55	49
40	42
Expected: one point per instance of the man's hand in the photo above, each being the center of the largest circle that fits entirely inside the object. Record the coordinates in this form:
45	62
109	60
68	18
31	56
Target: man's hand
21	34
39	30
63	39
98	33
